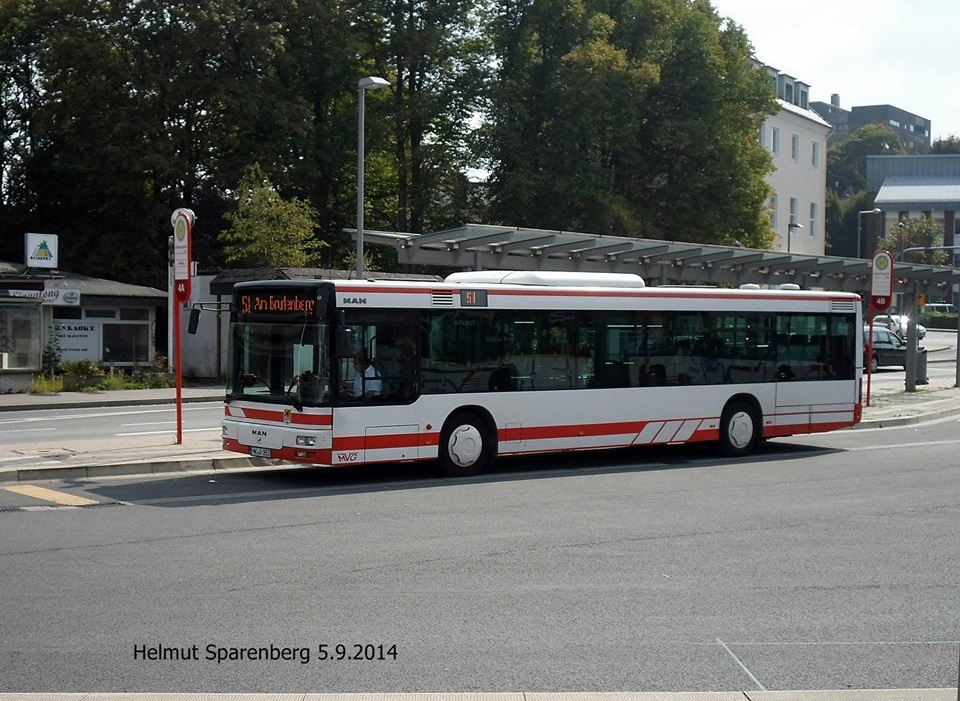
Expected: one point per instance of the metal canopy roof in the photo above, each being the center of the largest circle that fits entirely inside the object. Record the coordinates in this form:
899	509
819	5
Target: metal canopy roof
486	247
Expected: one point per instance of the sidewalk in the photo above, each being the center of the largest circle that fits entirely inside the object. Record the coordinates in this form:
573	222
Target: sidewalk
200	451
802	695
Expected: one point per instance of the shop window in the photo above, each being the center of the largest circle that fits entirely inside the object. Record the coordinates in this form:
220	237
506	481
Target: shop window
19	336
126	343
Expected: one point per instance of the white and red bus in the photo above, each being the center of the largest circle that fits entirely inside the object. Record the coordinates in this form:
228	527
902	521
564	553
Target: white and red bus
506	363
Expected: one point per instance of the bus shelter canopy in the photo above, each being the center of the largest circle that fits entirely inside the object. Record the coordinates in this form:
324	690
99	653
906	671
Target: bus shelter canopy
486	247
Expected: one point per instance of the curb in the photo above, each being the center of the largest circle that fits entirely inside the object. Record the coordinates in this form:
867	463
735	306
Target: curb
896	421
128	469
944	694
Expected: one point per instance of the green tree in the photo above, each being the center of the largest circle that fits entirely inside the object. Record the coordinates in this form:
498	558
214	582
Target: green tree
835	240
637	118
847	160
171	102
950	144
914	233
266	230
435	57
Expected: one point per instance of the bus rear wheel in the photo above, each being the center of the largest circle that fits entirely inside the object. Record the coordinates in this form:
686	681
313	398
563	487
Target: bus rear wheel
739	429
466	446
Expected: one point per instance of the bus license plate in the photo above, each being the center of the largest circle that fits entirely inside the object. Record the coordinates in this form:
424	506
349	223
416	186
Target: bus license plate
260	452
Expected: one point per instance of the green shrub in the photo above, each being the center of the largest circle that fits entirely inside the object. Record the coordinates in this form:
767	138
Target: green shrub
939	321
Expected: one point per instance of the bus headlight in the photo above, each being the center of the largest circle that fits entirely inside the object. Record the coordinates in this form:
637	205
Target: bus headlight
306	440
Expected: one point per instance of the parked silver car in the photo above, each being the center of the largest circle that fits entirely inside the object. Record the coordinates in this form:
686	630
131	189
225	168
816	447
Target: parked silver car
898	324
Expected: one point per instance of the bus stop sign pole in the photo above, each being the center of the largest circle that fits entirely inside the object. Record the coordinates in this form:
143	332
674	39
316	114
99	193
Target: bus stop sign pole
182	221
881	293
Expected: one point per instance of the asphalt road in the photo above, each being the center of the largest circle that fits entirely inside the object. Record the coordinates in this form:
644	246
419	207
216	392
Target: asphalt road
827	562
64	426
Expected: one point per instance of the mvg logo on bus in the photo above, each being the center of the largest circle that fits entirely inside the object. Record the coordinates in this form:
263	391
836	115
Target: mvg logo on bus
348	457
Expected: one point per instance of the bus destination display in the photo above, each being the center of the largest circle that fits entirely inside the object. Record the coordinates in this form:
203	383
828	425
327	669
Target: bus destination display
473	298
277	302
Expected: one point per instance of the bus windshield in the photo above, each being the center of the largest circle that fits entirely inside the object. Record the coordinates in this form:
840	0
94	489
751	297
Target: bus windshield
283	362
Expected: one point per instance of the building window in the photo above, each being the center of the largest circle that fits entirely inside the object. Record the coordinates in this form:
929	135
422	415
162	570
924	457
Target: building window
794	204
795	148
100	313
134	314
20	336
815	155
775	141
763	135
126	343
813	220
773	212
73	312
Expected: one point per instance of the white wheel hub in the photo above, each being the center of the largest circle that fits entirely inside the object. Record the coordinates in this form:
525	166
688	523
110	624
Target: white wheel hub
465	445
740	431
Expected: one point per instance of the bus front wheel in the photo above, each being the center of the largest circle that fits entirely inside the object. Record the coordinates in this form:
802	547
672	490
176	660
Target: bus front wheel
466	447
739	429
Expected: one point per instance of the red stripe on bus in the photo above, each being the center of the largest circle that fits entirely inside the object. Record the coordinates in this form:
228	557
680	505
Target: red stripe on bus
277	417
396	440
526	433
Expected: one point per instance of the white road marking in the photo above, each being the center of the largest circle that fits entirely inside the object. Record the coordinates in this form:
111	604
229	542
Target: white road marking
27	430
106	414
742	666
157	433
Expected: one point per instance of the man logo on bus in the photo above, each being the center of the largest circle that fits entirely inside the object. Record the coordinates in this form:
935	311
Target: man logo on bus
354	300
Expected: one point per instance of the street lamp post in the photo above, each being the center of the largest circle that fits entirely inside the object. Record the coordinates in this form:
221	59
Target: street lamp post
790	227
875	210
368	83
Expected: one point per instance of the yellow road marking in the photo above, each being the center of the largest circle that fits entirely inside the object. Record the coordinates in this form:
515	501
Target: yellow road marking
50	495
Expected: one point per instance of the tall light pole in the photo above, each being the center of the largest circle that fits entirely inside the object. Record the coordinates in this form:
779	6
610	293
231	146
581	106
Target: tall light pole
790	227
875	210
368	83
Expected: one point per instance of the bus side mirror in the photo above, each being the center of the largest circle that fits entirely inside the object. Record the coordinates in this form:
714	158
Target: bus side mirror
342	343
194	320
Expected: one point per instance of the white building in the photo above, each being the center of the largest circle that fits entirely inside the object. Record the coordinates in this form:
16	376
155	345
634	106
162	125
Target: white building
797	140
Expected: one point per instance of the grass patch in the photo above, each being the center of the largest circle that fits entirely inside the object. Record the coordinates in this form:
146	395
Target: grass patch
45	384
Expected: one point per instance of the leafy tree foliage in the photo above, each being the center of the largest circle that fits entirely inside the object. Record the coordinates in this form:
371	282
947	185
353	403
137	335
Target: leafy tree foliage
435	58
950	144
267	231
847	160
920	232
637	117
634	117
